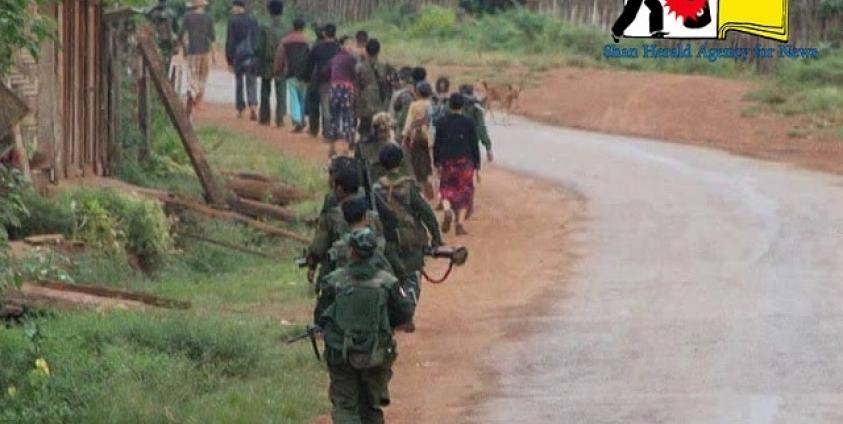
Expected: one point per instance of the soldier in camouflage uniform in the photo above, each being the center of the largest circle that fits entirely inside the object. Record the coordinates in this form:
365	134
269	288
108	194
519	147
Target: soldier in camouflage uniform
368	150
356	214
417	227
270	35
331	225
163	20
366	305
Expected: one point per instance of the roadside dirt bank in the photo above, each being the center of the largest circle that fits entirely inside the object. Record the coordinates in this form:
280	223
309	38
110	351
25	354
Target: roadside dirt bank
520	251
688	109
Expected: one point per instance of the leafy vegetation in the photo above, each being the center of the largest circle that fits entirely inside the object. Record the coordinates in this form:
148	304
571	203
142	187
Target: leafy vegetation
21	28
220	361
12	212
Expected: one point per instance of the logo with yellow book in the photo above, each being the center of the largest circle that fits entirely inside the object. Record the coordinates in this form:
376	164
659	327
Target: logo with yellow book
701	19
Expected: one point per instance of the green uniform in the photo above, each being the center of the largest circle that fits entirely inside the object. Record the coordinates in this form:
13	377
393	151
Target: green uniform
329	228
417	224
366	304
368	152
340	257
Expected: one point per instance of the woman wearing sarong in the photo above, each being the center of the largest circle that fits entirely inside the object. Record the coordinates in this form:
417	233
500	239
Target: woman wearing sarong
456	154
417	138
343	80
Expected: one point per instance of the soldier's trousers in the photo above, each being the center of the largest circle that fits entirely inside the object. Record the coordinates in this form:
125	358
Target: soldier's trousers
266	100
358	396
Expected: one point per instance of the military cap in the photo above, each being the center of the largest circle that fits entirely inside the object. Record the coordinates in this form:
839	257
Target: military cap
363	242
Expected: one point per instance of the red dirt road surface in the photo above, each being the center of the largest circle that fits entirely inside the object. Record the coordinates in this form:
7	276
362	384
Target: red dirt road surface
511	270
689	109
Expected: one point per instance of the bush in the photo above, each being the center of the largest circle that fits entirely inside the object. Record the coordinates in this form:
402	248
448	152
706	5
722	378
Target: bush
111	223
434	21
115	223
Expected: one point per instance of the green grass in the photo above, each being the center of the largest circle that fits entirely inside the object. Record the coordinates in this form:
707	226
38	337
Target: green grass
220	361
517	41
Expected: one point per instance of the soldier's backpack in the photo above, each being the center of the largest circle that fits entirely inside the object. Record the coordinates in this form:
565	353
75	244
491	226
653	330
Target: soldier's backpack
359	320
396	194
383	82
161	22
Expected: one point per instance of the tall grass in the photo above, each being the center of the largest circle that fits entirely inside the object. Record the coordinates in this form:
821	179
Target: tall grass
220	361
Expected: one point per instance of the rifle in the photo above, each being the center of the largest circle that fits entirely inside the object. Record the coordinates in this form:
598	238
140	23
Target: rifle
310	332
369	186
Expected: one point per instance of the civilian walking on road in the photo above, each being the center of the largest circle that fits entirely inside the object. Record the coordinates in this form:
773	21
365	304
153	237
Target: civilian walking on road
269	39
318	71
343	78
197	37
456	154
291	61
240	53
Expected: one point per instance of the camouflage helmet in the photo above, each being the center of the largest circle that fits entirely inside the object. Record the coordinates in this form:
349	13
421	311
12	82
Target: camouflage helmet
363	242
382	121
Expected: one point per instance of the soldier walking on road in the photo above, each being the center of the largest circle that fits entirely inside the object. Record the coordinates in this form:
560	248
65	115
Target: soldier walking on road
331	225
269	38
366	306
417	227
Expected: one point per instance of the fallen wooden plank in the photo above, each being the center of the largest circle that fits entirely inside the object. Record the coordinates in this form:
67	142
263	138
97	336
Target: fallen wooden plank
229	216
214	194
228	245
11	308
44	239
200	208
264	191
108	292
261	210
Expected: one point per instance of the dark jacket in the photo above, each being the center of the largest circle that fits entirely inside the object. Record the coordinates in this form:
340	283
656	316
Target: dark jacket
291	57
199	28
317	70
269	39
456	137
240	27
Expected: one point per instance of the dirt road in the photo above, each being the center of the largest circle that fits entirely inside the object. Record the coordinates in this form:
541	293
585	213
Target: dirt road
708	290
519	255
689	109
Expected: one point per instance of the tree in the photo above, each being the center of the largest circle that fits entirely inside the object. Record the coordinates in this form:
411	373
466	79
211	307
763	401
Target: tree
21	27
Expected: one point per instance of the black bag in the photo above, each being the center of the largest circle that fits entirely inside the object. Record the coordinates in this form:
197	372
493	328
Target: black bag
245	58
384	85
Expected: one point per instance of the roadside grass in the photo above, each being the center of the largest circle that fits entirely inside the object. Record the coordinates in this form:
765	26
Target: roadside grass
807	88
517	45
223	360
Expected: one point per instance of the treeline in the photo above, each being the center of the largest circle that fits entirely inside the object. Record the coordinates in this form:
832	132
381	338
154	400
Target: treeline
811	21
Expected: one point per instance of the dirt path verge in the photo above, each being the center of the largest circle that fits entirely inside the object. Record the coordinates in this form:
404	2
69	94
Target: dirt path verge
519	250
689	109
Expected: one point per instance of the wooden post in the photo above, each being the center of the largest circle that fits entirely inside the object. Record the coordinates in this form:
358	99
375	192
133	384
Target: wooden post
23	157
143	113
213	192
